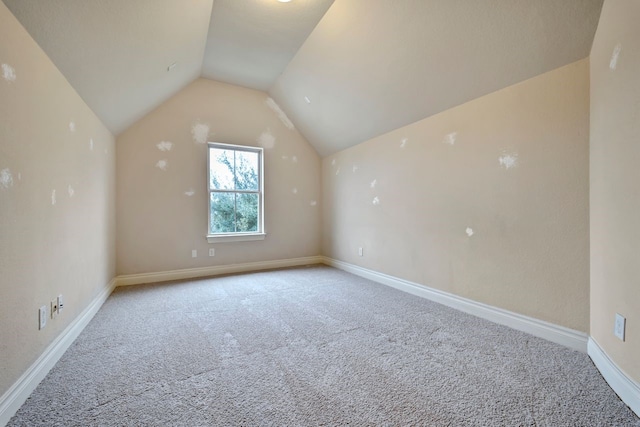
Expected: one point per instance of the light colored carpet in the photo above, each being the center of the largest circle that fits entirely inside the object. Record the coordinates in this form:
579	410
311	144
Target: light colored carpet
305	347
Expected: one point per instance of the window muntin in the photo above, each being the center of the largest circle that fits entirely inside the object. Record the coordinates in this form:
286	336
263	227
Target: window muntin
235	190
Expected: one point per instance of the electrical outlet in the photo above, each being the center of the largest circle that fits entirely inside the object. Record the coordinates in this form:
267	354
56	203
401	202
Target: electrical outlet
212	252
360	251
53	308
618	329
60	304
194	253
42	316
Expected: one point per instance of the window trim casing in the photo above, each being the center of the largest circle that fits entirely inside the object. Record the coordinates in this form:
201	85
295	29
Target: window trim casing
237	237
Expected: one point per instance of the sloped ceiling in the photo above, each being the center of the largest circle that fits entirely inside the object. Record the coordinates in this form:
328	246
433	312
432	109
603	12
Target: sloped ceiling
365	66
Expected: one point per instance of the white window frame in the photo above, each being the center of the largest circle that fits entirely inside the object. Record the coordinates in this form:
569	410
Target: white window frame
239	236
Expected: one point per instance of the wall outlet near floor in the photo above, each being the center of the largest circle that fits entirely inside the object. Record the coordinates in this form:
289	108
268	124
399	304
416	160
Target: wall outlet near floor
60	303
53	308
194	253
42	316
618	329
212	252
360	251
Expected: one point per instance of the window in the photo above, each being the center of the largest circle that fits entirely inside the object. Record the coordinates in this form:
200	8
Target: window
235	193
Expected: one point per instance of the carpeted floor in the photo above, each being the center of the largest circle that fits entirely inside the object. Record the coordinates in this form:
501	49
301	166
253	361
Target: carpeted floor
307	347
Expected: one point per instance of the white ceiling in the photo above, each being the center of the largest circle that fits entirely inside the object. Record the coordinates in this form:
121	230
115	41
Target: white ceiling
368	66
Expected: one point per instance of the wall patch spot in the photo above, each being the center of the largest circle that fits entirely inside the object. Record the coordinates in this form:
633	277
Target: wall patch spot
164	146
450	138
200	133
9	73
162	165
469	231
72	126
190	192
294	190
313	203
285	157
281	114
6	179
338	171
508	161
374	183
355	168
614	57
376	201
266	140
333	162
294	159
70	190
403	143
53	197
91	144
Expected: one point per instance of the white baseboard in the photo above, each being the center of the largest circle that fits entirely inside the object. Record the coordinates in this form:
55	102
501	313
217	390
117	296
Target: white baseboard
627	389
191	273
13	398
558	334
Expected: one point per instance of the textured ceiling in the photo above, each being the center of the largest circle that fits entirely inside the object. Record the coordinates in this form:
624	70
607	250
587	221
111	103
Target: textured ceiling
115	53
372	66
367	66
251	42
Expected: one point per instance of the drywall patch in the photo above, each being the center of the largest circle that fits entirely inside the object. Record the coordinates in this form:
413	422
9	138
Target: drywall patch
333	162
6	178
164	145
374	183
355	168
8	73
72	126
266	140
403	143
162	164
376	201
294	190
200	133
70	190
450	138
189	192
338	171
294	159
91	144
508	161
469	231
281	114
285	157
313	203
53	197
613	63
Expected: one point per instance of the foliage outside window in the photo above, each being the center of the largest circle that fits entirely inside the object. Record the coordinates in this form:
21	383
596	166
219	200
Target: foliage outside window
235	190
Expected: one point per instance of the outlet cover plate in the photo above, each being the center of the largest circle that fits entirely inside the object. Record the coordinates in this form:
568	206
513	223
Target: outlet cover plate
619	326
42	316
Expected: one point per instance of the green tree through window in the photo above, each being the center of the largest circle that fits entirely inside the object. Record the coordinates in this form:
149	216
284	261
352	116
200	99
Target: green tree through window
235	189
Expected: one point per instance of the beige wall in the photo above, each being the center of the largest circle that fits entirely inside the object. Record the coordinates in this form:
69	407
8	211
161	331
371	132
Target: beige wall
615	178
529	252
47	249
158	225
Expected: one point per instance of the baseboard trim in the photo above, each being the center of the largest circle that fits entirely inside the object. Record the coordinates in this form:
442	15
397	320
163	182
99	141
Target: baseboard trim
558	334
627	389
18	393
192	273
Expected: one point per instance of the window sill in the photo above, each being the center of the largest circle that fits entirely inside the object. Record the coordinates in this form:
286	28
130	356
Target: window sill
239	237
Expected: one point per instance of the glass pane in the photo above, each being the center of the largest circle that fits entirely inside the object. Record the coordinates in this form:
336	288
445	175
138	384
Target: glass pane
221	164
222	213
246	170
247	212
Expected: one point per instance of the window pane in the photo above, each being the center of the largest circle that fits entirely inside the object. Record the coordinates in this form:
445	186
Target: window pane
222	213
221	163
246	170
247	212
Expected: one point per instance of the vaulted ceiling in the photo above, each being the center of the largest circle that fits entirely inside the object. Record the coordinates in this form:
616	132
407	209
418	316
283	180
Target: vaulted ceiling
343	70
